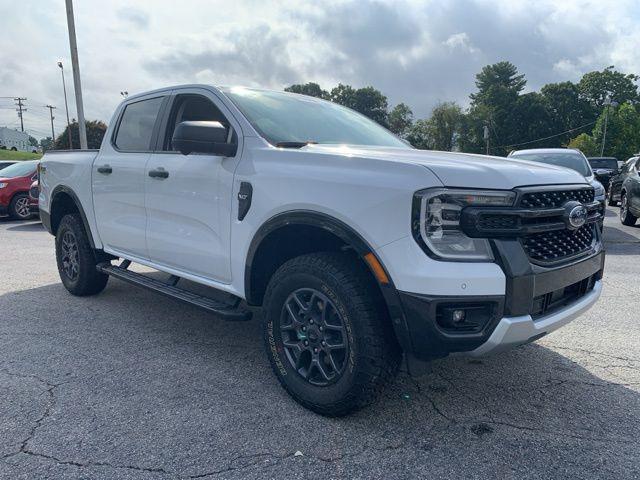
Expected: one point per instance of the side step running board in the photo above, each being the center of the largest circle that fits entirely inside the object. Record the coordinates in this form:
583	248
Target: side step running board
228	311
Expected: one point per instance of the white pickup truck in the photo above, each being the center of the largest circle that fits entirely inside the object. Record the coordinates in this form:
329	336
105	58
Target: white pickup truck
359	249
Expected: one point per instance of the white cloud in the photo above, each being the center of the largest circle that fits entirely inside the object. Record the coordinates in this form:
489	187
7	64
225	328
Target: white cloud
416	51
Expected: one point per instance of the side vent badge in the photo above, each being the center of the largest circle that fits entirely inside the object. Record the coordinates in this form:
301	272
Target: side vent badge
244	199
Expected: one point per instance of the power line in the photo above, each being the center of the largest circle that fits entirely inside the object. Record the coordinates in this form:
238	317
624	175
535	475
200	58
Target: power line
550	136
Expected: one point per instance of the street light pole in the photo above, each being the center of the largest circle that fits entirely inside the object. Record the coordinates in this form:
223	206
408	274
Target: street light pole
66	105
76	74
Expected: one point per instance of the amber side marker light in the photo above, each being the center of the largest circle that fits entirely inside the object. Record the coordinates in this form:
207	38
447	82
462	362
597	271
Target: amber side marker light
377	269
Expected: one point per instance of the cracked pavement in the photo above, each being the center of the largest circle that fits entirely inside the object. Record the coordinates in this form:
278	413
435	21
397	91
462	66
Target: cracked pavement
129	384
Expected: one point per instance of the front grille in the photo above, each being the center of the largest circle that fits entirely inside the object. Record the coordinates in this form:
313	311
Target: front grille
556	245
498	222
557	198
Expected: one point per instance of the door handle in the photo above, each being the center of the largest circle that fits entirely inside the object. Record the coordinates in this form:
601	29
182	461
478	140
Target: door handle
106	169
159	173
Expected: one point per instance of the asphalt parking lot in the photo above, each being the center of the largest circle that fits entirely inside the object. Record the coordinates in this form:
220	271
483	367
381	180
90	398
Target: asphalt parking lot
129	384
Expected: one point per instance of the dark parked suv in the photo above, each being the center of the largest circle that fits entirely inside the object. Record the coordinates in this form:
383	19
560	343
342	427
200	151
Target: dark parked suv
629	181
604	168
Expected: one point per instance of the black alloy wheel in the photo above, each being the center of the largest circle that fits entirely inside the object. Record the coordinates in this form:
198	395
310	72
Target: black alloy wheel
314	336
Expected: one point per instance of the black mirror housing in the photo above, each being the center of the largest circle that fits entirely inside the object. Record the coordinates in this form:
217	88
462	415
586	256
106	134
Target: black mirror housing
203	137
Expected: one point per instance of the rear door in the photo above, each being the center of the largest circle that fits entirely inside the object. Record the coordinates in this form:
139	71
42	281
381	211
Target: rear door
634	187
188	197
118	178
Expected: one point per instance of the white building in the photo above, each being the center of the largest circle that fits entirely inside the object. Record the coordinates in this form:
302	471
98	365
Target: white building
14	139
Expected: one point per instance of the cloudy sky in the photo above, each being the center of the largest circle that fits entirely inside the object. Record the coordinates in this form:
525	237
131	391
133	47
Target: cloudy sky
417	52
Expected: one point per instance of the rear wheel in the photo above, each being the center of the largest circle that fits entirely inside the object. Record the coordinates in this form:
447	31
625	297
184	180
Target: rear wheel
76	259
327	334
625	216
19	207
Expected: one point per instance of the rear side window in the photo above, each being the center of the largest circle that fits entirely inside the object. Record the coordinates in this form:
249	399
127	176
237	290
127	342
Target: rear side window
136	125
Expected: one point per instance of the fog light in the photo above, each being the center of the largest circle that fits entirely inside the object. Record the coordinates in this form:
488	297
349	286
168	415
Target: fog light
457	316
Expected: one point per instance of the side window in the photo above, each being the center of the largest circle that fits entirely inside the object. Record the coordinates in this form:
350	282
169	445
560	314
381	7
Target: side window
136	125
191	107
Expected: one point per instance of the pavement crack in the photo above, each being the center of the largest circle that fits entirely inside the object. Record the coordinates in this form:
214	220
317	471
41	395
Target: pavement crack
253	460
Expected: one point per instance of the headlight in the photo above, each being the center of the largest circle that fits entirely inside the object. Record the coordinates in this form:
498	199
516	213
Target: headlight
436	222
2	185
599	190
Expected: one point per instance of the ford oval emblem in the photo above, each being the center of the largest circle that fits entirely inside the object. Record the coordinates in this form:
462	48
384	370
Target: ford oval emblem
577	216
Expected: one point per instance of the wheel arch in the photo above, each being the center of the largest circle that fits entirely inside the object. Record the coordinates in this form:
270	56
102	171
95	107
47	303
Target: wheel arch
64	201
303	231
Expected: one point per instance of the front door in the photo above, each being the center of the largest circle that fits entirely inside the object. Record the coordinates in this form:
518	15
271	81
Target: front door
118	179
188	197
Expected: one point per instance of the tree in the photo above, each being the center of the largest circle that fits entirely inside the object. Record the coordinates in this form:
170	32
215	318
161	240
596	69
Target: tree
368	101
499	86
595	87
400	119
498	83
311	89
567	110
440	131
419	135
528	121
623	131
95	132
46	143
586	144
33	141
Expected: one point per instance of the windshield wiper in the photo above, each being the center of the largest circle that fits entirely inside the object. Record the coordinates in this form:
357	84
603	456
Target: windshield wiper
294	144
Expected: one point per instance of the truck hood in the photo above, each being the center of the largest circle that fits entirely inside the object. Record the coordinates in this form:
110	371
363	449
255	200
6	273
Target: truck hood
463	169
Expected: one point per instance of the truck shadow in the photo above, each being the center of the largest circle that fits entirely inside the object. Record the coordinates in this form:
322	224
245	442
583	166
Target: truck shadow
127	356
23	226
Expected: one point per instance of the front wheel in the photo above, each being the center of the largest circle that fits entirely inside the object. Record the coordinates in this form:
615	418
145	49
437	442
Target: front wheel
625	215
76	259
327	333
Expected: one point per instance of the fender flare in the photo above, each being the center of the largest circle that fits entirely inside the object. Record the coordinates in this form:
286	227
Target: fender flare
67	190
351	238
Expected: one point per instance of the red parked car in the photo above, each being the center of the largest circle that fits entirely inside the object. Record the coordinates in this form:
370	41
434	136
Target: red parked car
15	182
34	194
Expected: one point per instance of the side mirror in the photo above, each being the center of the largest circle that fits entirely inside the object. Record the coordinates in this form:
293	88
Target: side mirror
203	137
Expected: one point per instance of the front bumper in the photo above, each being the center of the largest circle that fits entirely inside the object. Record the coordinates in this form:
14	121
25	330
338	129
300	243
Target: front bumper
513	331
535	301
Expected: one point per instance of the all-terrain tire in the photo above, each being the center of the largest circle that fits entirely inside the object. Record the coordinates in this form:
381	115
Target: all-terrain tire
76	259
373	353
625	215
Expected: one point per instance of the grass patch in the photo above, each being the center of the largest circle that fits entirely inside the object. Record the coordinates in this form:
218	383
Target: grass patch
9	155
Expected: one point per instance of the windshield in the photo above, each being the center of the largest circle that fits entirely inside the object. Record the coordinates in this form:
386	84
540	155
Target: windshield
20	169
283	117
610	163
572	160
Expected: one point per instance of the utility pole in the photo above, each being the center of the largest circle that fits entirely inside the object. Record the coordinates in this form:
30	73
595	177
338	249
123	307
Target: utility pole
608	102
66	105
20	109
51	107
76	74
486	137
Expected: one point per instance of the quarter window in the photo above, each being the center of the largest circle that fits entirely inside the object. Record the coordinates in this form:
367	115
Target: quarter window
136	125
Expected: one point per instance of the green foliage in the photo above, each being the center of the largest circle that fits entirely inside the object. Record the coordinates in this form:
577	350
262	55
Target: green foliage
95	132
11	155
311	89
32	141
567	110
586	144
368	101
46	143
400	119
623	131
441	131
595	87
